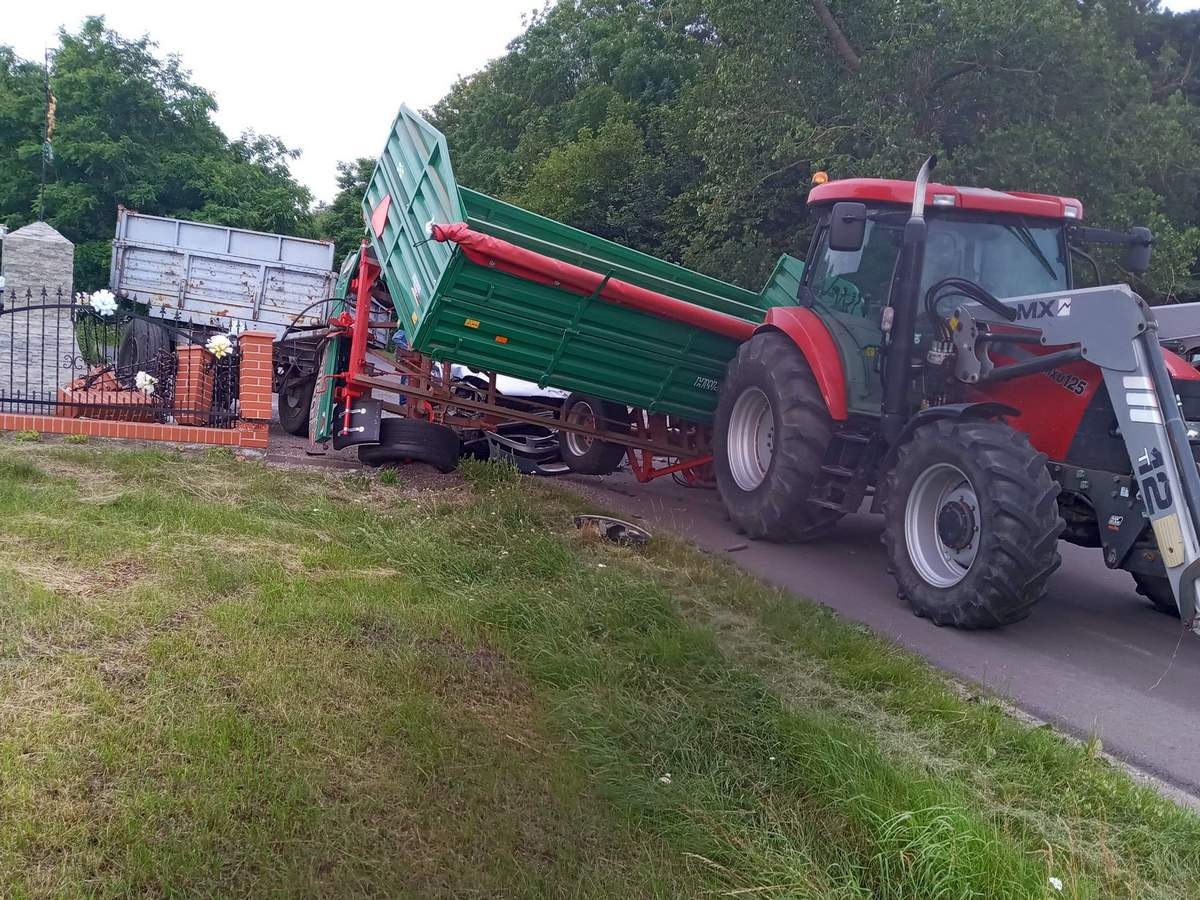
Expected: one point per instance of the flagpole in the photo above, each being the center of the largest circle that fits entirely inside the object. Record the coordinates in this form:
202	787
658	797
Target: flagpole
46	142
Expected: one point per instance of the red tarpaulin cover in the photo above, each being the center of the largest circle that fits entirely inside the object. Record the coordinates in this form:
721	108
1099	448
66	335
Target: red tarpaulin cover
485	250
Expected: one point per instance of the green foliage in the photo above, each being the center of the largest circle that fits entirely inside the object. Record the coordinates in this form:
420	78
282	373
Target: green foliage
131	129
342	220
692	130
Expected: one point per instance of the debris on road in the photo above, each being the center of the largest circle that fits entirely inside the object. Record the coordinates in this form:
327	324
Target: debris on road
615	530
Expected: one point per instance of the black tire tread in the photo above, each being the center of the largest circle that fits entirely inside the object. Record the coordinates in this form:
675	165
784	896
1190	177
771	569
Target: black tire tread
404	440
295	421
602	457
1021	525
778	510
1157	589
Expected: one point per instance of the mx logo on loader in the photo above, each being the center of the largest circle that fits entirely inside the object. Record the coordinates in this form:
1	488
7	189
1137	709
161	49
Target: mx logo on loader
1044	309
1156	486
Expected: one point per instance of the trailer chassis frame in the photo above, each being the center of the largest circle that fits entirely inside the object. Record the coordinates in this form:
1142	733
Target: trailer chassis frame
685	446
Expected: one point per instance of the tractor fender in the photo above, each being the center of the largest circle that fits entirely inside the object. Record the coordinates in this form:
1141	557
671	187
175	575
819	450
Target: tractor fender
813	339
983	409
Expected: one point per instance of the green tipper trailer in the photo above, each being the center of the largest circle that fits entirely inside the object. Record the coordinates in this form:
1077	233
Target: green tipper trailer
454	305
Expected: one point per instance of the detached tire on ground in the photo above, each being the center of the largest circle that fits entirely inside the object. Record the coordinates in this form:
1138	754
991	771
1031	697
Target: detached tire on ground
586	455
142	341
412	440
295	401
770	436
971	523
1157	589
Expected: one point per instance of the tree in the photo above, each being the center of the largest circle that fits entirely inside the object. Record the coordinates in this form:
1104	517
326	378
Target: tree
692	130
132	129
342	220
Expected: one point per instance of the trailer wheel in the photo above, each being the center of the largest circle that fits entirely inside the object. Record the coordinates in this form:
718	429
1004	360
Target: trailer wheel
586	455
142	341
412	440
1157	589
971	523
295	401
771	433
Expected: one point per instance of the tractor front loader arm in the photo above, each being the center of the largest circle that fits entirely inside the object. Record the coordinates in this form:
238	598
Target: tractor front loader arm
1115	330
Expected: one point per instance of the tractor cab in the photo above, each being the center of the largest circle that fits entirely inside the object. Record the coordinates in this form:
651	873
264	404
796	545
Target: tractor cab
1010	244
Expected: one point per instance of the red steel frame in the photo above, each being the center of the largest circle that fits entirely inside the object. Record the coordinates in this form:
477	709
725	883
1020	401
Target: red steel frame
648	441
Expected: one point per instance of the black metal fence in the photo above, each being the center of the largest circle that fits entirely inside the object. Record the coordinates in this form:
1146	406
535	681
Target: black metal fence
106	359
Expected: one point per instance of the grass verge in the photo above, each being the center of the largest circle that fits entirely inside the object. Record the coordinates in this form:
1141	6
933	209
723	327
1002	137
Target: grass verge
222	679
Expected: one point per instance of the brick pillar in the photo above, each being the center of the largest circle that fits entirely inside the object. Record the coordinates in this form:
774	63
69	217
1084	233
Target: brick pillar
193	385
255	379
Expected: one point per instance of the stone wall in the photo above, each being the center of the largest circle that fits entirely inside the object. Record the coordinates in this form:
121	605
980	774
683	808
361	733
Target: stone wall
37	348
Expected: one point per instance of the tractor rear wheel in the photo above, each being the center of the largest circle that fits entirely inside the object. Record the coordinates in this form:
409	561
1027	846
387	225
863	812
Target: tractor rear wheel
771	433
971	523
1157	589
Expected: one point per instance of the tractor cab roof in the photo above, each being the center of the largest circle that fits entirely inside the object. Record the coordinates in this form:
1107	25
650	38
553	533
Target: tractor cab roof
887	190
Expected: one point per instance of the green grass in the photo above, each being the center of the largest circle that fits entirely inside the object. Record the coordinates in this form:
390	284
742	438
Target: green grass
219	679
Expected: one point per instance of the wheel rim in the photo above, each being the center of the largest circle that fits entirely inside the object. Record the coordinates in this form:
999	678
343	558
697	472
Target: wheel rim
942	525
750	441
580	414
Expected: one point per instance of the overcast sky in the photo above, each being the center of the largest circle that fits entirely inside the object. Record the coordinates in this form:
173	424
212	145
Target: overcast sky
325	77
327	81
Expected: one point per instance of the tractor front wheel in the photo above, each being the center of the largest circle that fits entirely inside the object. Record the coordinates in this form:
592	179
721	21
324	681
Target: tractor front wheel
971	523
1157	589
771	433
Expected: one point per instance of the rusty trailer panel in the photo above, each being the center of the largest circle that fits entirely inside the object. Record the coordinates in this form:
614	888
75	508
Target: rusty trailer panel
215	276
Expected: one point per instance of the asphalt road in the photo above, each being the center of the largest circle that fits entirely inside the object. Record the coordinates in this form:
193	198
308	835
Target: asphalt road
1093	658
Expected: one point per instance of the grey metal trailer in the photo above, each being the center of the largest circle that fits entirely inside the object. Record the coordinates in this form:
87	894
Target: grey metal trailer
202	278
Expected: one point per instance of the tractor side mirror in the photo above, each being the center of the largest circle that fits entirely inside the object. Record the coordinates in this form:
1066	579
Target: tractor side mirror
1137	254
847	226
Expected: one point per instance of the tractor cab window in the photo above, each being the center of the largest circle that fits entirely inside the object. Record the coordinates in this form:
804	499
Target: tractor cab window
855	283
1008	255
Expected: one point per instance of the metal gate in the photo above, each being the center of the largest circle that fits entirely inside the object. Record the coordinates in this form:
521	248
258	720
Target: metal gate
70	358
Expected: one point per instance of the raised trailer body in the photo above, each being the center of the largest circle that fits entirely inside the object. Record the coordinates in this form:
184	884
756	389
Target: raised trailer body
471	303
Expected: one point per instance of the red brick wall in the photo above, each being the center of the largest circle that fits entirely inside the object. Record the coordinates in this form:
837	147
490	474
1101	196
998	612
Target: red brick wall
194	375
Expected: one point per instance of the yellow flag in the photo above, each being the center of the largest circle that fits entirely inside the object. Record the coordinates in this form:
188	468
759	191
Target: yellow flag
51	106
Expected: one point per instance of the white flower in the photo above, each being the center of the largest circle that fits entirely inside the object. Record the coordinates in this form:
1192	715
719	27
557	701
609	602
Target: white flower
219	345
104	303
665	779
145	383
601	566
1056	883
82	299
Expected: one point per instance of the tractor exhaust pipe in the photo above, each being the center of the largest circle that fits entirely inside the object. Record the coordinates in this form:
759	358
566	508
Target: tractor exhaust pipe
905	302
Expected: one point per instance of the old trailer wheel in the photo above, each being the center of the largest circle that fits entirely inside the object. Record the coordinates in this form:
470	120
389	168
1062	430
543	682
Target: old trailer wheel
769	439
589	455
295	401
141	342
412	440
971	523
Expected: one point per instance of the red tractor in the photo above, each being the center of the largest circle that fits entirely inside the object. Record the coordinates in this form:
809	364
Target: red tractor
983	429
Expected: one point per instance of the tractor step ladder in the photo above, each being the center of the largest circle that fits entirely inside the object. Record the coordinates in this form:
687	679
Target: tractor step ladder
843	482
